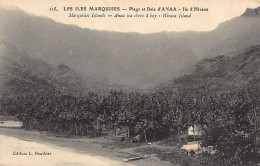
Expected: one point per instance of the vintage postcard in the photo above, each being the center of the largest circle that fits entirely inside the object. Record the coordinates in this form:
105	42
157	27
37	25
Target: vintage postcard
129	83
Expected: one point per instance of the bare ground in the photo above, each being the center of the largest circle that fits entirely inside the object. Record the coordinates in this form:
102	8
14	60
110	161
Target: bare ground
69	151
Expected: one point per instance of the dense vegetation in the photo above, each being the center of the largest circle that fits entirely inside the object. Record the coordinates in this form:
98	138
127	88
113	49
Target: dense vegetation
221	97
228	119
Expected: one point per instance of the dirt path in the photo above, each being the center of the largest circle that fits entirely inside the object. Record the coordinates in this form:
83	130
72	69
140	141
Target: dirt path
72	152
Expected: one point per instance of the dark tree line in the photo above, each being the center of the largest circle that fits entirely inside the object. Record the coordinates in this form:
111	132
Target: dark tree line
228	118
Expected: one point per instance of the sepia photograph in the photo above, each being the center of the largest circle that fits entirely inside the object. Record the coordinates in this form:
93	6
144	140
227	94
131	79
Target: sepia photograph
130	83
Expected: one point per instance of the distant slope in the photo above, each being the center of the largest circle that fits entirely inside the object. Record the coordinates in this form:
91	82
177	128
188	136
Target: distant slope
15	79
128	59
235	35
120	58
21	74
230	36
222	73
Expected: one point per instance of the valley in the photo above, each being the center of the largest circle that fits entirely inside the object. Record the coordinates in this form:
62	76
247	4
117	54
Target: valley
103	96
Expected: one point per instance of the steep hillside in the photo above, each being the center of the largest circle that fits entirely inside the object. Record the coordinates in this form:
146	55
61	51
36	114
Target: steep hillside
222	73
128	59
21	74
231	36
120	58
235	35
14	78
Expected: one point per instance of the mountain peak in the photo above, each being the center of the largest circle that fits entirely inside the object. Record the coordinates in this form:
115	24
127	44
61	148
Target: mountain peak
252	12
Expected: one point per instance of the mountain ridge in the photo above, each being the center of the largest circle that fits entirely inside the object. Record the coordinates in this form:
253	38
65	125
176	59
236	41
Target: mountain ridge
129	59
21	74
220	74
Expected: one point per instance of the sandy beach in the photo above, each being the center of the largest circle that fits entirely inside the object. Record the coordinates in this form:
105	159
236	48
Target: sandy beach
26	148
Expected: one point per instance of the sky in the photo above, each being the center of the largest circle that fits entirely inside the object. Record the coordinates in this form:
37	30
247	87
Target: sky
218	11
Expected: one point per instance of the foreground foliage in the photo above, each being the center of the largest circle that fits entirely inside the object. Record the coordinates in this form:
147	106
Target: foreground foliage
228	119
